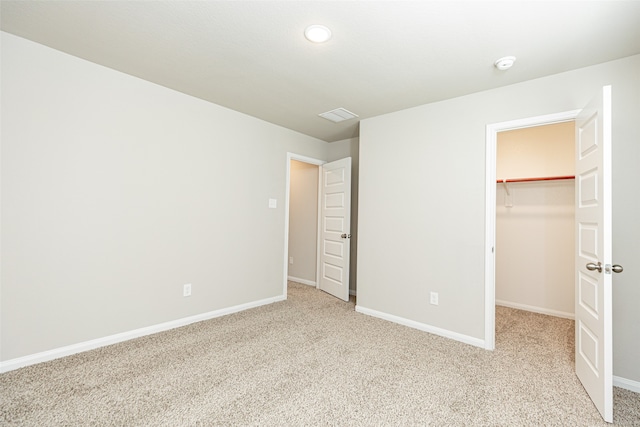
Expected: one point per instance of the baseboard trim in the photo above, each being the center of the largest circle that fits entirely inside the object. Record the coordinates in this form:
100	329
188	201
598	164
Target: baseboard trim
422	326
45	356
352	292
303	281
535	309
626	384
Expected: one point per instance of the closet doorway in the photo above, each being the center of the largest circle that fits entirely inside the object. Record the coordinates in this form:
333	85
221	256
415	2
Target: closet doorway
301	221
492	131
593	243
535	219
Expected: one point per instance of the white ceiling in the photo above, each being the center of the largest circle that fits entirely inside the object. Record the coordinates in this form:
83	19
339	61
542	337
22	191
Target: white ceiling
251	56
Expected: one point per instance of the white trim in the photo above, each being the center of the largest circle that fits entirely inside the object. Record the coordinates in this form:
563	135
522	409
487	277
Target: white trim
300	158
490	210
422	326
607	254
490	242
57	353
534	309
626	384
319	228
303	281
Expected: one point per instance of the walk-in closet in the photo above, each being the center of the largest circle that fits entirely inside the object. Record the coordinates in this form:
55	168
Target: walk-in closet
535	219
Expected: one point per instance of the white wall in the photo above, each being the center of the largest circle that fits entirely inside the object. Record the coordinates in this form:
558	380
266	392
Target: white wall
535	222
422	201
339	150
303	222
535	247
115	192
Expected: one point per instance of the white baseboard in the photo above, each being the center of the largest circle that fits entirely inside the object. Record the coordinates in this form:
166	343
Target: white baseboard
422	326
45	356
535	309
303	281
352	292
626	384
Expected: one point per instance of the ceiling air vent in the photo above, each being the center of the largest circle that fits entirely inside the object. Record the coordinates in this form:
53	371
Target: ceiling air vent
338	115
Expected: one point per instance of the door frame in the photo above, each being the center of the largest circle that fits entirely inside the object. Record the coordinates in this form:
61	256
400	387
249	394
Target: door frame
490	210
311	161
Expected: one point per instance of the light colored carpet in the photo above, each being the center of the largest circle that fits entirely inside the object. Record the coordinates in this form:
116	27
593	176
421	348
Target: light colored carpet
312	360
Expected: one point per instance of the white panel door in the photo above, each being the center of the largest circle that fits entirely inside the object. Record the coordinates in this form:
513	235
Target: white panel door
593	252
335	228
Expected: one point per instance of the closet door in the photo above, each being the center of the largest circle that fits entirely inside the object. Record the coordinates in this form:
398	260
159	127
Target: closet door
593	253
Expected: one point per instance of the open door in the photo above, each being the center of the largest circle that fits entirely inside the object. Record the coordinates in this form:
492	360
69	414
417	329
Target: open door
335	228
594	253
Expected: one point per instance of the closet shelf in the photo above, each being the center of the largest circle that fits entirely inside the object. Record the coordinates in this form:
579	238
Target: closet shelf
544	178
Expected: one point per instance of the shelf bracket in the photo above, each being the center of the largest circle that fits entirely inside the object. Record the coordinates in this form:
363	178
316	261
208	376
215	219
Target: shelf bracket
508	202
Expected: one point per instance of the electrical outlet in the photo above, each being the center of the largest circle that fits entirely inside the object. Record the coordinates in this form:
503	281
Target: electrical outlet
291	260
434	298
186	290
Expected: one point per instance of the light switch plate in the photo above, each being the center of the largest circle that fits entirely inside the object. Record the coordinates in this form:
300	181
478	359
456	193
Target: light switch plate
273	203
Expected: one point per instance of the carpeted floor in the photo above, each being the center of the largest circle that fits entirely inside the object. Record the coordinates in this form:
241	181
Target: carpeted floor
312	360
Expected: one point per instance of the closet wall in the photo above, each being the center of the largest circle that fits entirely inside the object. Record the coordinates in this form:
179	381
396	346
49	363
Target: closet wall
535	220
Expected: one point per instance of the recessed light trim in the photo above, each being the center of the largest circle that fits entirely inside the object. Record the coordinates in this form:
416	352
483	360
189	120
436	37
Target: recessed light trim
505	63
317	33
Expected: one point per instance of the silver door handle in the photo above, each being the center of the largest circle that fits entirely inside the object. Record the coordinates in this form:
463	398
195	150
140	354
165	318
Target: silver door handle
616	268
345	236
593	267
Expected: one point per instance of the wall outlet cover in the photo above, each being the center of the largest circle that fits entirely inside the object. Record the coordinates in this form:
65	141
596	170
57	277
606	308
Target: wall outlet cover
433	298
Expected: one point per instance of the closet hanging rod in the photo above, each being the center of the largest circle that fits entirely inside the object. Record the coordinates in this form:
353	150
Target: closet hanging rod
544	178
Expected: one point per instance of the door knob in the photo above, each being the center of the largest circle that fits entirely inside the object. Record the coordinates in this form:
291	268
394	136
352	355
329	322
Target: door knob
616	268
593	267
345	236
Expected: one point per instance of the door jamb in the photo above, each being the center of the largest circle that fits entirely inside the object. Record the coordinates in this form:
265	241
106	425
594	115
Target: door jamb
490	210
312	161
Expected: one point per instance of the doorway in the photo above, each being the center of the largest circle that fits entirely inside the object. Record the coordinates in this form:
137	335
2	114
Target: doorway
490	217
301	224
593	248
331	199
535	219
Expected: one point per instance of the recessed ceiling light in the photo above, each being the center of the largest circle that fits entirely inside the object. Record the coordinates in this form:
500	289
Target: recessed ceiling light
317	33
505	63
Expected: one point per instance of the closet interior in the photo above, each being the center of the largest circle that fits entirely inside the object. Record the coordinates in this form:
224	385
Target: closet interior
535	235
